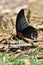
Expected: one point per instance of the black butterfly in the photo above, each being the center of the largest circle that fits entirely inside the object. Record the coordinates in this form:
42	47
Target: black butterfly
23	29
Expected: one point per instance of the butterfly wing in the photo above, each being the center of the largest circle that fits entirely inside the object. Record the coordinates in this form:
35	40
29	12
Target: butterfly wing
21	23
22	28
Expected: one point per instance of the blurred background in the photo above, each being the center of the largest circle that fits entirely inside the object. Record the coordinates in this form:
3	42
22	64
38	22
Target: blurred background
10	8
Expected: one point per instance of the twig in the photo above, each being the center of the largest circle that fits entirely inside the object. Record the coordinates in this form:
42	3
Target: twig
22	45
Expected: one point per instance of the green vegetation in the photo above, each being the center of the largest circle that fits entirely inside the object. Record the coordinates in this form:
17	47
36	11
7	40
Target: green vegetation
37	63
10	59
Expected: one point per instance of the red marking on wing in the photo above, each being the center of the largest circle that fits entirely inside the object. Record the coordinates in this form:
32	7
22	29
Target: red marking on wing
20	34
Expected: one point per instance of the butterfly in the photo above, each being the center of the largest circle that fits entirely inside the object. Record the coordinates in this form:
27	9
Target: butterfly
23	29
